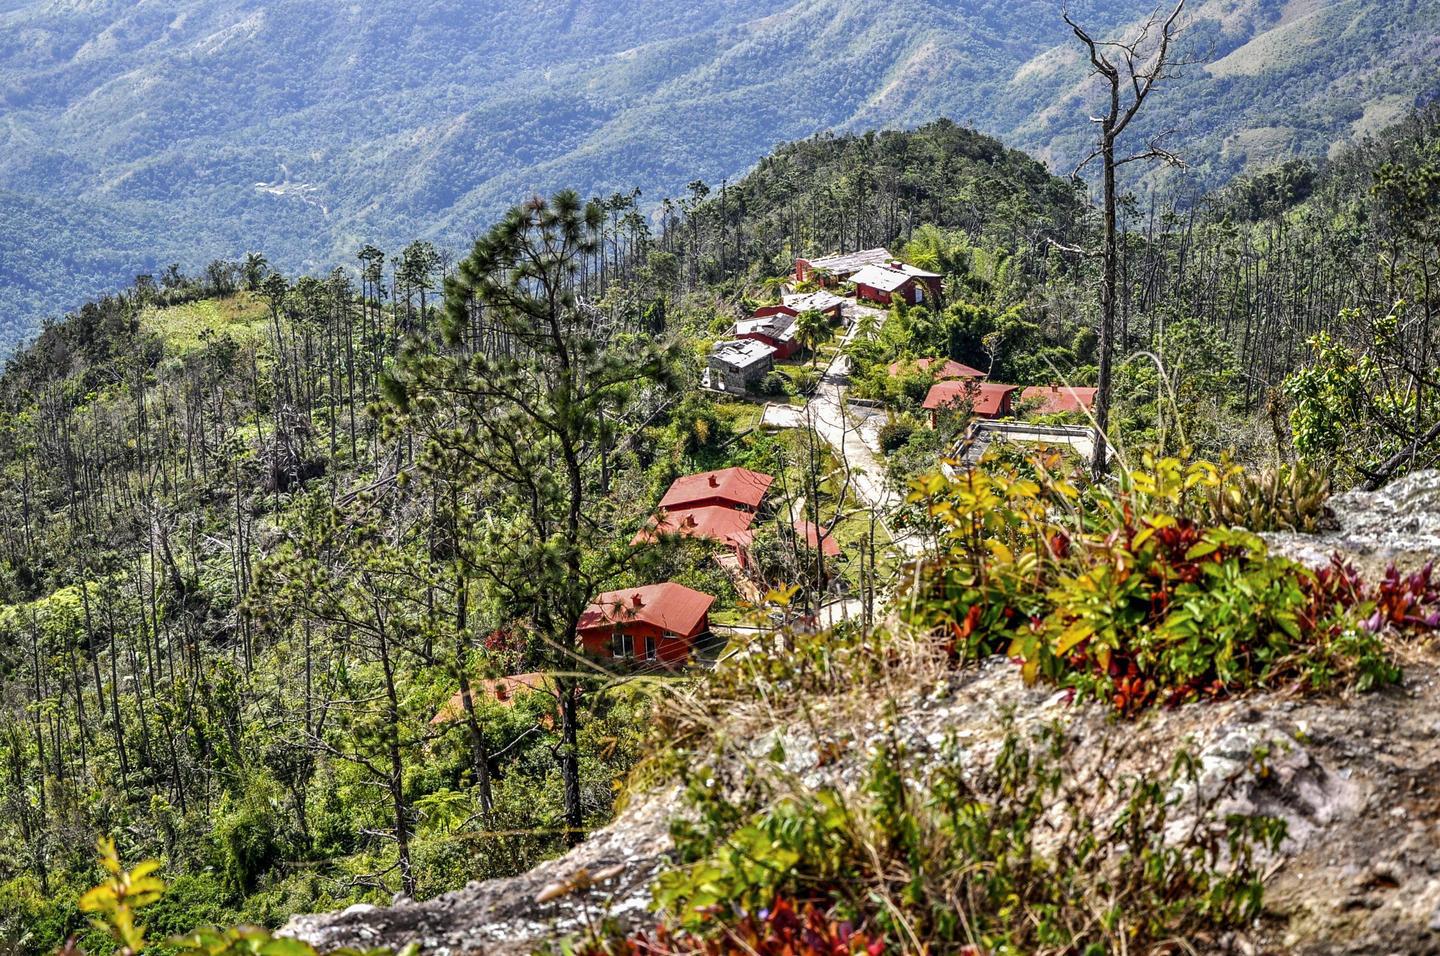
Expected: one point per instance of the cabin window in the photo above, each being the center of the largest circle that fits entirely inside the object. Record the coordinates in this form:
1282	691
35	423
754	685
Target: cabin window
622	644
650	650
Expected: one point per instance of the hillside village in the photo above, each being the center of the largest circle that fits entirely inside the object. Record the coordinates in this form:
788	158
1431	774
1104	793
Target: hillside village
828	302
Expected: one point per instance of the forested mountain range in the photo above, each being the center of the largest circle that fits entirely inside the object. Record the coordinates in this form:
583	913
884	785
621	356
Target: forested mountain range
137	134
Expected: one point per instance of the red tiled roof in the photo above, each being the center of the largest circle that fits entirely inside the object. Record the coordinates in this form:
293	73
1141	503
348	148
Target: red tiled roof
830	547
987	398
501	689
1059	398
951	368
716	522
669	606
739	486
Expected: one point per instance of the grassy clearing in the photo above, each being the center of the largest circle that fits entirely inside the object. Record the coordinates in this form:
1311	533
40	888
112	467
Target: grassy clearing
242	316
740	416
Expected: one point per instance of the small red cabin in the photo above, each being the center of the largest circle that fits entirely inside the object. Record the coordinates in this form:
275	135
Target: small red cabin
730	487
813	537
502	690
723	525
1053	399
950	369
657	623
986	399
773	325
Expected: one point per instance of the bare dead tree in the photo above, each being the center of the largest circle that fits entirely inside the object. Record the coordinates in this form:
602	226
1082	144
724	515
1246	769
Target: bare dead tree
1130	68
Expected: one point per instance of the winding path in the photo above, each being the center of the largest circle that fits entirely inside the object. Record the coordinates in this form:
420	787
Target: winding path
827	415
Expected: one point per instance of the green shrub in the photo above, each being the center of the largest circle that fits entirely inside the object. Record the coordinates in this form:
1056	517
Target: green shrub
802	381
1126	593
1287	498
894	434
249	842
1019	856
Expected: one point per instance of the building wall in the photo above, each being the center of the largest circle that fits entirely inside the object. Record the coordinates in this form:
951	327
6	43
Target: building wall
740	380
669	651
783	349
909	293
872	294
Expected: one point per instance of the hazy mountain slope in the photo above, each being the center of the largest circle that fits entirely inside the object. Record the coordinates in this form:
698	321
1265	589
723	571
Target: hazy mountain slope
195	128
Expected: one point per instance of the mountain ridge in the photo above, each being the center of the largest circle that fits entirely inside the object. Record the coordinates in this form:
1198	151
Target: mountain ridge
203	129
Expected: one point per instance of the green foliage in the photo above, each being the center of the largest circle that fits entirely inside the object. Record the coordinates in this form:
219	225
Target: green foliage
1277	498
1020	856
894	434
120	896
1127	595
1181	394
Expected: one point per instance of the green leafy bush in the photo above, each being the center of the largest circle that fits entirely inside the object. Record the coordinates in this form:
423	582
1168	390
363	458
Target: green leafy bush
1127	594
894	434
1016	857
1284	498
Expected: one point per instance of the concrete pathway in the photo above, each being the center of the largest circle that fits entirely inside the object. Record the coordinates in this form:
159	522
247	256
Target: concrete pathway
827	415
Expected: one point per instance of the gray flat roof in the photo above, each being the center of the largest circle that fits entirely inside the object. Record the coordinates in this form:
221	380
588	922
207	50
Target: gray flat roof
741	353
846	262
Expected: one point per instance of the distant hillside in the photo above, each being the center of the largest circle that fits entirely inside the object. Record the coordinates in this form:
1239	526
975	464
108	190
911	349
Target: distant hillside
136	133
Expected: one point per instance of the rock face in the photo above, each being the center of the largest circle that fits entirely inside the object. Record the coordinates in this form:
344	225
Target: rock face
502	916
1399	523
1356	779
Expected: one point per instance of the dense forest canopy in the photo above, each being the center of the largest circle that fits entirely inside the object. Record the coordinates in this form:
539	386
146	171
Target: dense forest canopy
306	130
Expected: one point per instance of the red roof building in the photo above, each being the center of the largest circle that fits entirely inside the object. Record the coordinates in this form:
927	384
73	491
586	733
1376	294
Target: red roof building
811	534
502	690
719	523
1054	399
950	369
773	325
986	399
657	623
728	487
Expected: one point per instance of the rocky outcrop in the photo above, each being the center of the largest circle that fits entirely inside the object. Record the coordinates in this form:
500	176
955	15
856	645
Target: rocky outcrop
1399	523
1356	779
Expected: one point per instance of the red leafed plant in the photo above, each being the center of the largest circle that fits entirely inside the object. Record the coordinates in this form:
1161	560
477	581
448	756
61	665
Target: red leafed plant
1407	600
780	930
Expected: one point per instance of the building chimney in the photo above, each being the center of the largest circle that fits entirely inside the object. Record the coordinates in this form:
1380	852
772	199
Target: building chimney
896	264
502	691
637	600
714	482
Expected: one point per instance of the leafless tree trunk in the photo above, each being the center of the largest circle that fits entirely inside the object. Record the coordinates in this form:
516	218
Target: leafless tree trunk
1130	67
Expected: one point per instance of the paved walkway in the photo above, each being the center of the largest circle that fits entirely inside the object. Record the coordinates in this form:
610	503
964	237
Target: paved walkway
826	414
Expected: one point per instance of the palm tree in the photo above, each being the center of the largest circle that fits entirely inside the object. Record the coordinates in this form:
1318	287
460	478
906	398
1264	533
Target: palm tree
812	328
868	325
